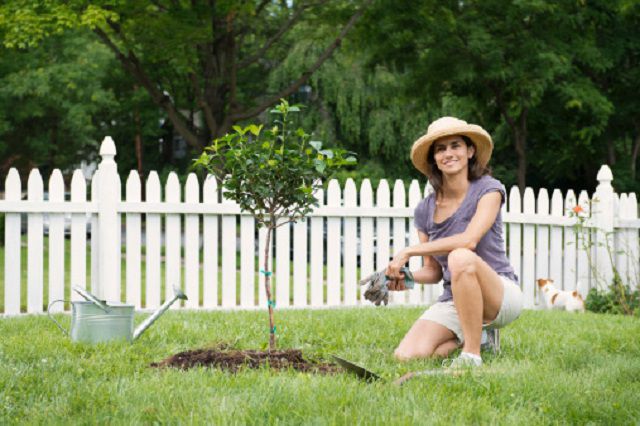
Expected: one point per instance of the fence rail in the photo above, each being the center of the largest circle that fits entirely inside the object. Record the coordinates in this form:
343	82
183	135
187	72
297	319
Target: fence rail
193	236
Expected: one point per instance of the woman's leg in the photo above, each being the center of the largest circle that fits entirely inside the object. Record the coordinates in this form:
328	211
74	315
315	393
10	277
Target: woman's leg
425	339
477	295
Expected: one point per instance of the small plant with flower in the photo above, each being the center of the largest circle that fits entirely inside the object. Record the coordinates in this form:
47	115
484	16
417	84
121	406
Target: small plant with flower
614	297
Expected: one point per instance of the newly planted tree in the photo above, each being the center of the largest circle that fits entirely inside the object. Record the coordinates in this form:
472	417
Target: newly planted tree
272	174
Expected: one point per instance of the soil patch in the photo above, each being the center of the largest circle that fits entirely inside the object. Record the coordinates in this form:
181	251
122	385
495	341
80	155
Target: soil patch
233	360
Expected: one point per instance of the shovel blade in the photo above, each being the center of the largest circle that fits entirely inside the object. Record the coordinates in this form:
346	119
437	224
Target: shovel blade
359	371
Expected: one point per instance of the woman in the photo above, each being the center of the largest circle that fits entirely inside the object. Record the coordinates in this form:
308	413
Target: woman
461	242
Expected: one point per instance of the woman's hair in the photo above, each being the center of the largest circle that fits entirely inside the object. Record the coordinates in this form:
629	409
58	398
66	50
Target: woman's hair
475	169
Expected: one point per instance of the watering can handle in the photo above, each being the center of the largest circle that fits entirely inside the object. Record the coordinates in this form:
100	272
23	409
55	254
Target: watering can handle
52	318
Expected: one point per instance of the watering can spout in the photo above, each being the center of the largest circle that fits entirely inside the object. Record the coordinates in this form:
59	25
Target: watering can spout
178	294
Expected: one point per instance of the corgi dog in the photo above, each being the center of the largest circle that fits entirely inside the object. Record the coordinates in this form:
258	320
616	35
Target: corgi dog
570	301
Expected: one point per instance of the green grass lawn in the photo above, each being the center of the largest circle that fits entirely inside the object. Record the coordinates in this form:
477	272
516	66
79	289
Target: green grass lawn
555	368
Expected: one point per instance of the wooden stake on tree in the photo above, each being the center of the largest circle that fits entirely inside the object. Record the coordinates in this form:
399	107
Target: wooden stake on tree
267	289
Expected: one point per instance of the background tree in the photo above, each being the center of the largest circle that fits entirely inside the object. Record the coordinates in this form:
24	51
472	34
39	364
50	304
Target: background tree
52	101
203	62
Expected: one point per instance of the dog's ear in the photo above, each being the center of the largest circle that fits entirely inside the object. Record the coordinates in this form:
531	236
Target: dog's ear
541	282
576	294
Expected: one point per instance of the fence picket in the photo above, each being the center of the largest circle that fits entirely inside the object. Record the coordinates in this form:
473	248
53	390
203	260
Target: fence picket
192	244
317	253
382	227
247	261
210	245
367	242
56	242
153	279
555	257
228	256
173	232
515	233
12	246
35	263
350	245
634	242
95	225
78	235
283	265
415	263
570	241
528	252
334	283
542	244
300	250
133	237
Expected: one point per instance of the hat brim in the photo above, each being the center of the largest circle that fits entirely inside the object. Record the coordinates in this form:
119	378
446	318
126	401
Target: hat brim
479	137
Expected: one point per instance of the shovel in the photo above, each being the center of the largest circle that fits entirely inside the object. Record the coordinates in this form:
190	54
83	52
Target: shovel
370	376
359	371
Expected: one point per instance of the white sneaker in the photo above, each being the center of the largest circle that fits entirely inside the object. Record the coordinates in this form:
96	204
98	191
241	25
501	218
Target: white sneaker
464	361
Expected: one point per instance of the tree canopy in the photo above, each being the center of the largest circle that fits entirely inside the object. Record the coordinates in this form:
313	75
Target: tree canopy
552	81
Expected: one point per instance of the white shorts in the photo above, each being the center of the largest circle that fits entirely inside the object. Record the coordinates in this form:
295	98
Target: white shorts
445	314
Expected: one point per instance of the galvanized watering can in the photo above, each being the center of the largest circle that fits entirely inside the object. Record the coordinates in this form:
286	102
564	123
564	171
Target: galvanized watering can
94	320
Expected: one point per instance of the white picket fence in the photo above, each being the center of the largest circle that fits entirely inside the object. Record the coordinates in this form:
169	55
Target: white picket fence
208	246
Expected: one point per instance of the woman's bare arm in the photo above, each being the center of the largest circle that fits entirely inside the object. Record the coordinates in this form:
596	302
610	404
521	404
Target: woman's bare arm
431	271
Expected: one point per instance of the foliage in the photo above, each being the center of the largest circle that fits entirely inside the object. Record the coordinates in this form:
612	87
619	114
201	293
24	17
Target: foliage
404	64
617	299
52	102
272	174
208	59
546	357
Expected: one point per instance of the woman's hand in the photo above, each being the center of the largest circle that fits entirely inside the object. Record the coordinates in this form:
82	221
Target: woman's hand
393	269
396	285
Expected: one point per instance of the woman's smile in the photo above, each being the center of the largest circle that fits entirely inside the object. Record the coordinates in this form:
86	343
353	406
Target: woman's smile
451	153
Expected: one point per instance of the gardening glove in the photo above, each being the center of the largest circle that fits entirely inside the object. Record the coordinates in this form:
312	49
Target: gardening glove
378	290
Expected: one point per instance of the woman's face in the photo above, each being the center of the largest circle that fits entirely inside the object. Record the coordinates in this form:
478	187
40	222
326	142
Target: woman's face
452	154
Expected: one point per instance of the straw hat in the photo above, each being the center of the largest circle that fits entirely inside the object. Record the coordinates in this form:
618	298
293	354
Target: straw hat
449	126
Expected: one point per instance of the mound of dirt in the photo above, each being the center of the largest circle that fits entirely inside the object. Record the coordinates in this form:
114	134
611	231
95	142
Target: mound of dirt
233	360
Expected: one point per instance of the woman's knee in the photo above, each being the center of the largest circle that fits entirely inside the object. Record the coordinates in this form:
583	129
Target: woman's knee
462	261
445	349
408	353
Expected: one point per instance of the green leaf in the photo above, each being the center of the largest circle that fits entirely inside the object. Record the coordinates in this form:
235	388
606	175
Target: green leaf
317	145
327	152
255	129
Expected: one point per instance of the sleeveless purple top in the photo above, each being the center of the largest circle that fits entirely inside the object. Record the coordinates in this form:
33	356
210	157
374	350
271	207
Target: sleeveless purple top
490	248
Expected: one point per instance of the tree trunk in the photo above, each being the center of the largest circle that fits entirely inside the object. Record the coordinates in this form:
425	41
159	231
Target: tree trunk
138	146
267	289
634	152
522	163
520	136
611	152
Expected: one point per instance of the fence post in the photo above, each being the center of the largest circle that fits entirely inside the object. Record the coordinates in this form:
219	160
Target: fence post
603	219
108	284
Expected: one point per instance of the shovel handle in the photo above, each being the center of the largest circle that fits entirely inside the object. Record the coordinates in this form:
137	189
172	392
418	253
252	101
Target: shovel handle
52	318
